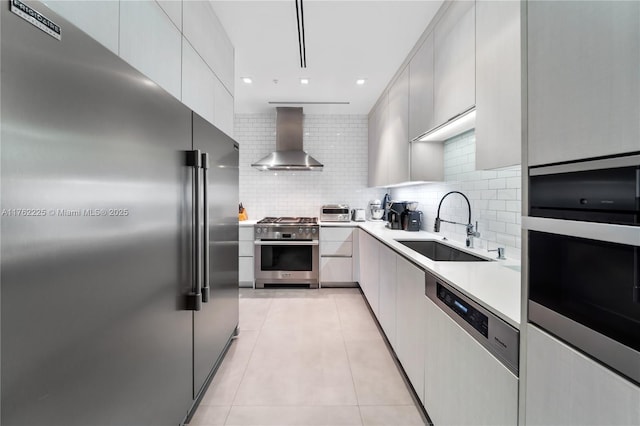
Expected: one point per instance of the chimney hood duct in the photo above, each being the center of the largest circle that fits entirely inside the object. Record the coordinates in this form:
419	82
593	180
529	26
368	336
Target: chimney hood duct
288	154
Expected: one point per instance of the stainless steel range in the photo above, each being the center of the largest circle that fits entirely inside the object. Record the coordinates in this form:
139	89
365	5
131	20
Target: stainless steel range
286	252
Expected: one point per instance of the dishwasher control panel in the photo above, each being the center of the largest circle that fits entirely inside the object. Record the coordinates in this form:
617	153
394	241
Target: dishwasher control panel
471	315
499	338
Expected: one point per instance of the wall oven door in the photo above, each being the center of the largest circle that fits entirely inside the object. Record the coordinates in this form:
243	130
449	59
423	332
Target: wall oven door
584	258
587	292
287	263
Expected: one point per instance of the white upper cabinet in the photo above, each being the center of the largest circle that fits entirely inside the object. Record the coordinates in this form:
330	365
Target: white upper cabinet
421	116
379	143
206	34
397	148
151	42
498	84
223	109
583	79
198	83
454	61
99	19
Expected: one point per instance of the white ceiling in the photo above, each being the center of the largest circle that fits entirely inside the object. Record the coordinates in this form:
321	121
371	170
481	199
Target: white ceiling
345	41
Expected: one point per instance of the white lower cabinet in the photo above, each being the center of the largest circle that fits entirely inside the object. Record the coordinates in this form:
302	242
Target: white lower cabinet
464	383
246	273
564	387
387	292
336	255
336	269
410	322
369	278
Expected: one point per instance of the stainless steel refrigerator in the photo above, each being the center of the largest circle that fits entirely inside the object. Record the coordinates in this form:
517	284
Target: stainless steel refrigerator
119	261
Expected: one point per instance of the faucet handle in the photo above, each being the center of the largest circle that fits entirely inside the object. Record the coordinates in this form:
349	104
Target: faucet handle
471	232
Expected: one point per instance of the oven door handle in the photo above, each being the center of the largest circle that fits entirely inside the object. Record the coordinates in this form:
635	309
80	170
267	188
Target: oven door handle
286	243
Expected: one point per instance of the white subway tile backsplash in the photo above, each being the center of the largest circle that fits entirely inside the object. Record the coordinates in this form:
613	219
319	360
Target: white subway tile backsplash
337	141
498	183
495	197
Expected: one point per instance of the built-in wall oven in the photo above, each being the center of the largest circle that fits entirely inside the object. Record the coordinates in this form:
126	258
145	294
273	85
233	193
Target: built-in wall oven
584	257
287	252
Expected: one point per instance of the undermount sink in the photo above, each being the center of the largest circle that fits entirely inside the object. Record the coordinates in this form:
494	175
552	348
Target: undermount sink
439	252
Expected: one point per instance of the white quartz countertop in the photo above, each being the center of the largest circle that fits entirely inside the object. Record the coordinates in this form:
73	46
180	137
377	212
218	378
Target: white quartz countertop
494	285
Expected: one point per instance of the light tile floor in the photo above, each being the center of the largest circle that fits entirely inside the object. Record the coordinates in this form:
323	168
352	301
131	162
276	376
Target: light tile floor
307	357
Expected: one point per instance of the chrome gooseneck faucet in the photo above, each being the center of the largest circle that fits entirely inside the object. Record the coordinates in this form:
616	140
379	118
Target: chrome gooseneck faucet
470	230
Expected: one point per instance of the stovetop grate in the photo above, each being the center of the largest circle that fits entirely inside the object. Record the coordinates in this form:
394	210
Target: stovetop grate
289	220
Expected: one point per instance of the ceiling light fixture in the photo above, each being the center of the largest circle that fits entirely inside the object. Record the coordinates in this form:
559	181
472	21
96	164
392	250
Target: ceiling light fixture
304	81
247	80
360	81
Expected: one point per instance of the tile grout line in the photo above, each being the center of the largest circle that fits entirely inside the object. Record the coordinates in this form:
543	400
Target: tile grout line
244	371
344	344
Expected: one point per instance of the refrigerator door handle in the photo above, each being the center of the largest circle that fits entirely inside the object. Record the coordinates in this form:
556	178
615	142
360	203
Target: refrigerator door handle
205	231
194	298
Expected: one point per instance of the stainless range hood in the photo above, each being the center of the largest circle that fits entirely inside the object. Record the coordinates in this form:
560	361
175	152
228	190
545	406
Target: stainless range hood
288	154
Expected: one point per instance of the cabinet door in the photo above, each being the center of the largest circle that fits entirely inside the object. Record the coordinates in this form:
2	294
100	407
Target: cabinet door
410	322
397	161
336	248
372	147
369	278
387	301
223	108
380	150
583	85
458	370
565	387
148	38
421	116
454	61
207	35
198	83
336	269
99	19
340	234
498	100
246	271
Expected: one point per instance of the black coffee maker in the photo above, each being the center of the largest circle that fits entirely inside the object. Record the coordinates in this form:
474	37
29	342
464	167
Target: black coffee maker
394	215
411	220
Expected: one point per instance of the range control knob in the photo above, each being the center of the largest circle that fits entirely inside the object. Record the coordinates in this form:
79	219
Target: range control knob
258	231
313	230
300	230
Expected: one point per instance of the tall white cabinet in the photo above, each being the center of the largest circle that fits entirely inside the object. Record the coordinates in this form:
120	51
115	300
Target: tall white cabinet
565	387
583	85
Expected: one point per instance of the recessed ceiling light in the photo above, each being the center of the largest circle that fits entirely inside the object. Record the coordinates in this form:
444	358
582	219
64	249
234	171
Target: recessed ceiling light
360	81
304	81
247	80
